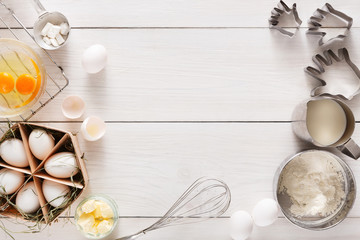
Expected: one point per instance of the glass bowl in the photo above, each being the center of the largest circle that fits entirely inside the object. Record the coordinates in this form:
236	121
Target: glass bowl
22	77
100	197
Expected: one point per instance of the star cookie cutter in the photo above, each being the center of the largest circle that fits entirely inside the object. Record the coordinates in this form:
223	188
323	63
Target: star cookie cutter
321	15
343	87
281	11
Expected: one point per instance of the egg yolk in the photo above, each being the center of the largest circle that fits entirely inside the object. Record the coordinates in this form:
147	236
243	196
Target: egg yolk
6	82
25	84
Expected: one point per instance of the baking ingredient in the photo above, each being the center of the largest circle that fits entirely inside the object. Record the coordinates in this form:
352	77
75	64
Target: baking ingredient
241	225
104	226
46	29
61	165
73	107
94	58
7	82
86	222
95	217
54	42
315	184
41	143
19	92
55	193
55	34
265	212
59	39
53	31
25	84
27	199
10	181
93	128
47	40
64	28
12	151
326	121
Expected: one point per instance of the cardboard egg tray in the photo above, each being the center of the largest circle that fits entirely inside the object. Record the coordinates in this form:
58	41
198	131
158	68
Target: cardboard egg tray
64	142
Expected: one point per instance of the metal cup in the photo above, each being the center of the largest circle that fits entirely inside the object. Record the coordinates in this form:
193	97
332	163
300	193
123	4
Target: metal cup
345	144
43	19
317	223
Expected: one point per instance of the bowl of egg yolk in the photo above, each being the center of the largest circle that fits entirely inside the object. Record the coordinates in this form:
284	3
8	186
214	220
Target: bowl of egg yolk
22	77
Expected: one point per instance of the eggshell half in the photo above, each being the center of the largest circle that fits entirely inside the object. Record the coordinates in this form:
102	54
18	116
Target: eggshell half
73	107
93	128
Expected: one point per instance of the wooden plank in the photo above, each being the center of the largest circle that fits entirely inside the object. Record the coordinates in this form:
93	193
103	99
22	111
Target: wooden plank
192	74
146	167
213	229
169	13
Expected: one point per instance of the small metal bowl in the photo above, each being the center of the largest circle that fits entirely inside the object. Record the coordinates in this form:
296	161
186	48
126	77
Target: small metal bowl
52	17
315	222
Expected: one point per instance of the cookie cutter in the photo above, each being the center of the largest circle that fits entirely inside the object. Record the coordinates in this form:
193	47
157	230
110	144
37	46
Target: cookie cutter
345	91
278	12
320	15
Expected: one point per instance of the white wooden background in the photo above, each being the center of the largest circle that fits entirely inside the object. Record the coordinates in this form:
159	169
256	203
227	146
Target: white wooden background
192	88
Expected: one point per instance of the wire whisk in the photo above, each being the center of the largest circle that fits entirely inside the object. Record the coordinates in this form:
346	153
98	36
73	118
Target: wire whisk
205	198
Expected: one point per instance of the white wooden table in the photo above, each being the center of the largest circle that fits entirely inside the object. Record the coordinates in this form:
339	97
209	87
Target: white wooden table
192	88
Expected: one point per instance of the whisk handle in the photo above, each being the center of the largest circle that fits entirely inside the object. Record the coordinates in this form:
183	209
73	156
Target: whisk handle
132	237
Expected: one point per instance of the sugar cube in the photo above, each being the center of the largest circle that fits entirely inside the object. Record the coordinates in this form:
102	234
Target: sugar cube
64	28
59	39
47	40
54	42
46	29
53	31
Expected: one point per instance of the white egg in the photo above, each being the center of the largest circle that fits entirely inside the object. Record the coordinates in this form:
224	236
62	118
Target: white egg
93	128
265	212
73	107
94	58
13	152
241	225
41	143
55	193
27	199
61	165
10	181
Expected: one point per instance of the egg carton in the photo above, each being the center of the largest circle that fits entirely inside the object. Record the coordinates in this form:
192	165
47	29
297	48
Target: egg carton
64	142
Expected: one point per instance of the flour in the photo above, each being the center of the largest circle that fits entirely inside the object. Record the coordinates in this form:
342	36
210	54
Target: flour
314	183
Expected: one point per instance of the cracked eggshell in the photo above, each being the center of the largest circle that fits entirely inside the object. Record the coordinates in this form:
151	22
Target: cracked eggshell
93	128
73	107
